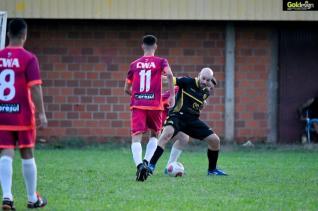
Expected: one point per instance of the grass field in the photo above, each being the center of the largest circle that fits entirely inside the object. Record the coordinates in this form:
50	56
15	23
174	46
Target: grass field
103	179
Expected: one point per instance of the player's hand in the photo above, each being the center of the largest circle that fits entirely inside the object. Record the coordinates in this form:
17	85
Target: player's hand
171	101
43	121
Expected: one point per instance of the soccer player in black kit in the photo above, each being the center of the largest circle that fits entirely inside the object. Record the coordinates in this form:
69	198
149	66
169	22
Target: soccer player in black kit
184	116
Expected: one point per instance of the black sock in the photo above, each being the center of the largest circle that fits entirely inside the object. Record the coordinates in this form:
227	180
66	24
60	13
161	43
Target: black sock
156	155
213	158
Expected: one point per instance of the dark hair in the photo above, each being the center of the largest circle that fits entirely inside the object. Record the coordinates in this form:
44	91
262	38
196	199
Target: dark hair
17	27
149	40
214	81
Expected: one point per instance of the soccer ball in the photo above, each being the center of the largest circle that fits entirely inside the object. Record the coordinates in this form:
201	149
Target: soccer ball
175	169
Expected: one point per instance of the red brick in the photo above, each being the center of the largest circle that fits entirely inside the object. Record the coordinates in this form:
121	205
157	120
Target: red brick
73	99
111	115
105	91
99	115
104	108
100	99
87	51
100	67
92	75
104	123
122	132
59	115
67	75
91	123
124	115
83	132
85	115
117	123
79	123
66	123
78	107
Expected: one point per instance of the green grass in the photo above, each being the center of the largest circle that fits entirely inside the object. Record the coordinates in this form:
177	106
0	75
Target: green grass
103	179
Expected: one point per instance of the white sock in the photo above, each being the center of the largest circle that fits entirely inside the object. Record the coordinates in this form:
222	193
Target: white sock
30	176
174	155
6	172
151	148
136	150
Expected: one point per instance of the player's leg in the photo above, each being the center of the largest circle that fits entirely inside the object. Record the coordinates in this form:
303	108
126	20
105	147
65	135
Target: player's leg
29	169
213	153
199	130
136	148
154	123
181	141
165	136
151	147
6	172
138	127
7	144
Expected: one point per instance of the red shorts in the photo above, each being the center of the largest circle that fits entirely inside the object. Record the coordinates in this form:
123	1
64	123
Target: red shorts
142	120
24	139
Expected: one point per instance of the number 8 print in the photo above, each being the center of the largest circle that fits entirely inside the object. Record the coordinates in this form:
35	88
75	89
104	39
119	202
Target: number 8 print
7	85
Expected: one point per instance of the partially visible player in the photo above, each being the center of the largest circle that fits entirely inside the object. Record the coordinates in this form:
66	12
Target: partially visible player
144	84
20	95
185	115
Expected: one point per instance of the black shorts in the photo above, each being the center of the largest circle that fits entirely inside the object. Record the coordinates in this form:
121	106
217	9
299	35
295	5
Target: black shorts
193	127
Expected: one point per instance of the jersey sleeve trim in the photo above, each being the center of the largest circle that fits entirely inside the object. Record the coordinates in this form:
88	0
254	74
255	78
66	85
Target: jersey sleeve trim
7	147
197	82
16	127
174	80
34	82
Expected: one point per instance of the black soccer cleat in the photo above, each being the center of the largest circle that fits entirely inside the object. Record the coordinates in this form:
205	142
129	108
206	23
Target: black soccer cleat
41	202
149	170
7	205
142	172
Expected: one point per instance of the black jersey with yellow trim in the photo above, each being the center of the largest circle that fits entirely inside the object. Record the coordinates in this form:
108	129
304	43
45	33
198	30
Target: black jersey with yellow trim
190	98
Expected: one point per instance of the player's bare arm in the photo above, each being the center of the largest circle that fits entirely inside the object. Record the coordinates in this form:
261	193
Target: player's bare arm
127	88
37	97
171	86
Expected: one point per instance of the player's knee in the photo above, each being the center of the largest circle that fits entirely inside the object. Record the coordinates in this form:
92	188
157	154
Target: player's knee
214	142
26	153
7	153
167	136
184	138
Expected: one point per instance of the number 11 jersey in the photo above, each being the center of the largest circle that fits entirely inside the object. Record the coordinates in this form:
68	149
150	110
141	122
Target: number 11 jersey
19	70
145	76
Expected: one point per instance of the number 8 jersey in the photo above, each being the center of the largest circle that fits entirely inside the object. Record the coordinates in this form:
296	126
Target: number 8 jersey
145	76
19	70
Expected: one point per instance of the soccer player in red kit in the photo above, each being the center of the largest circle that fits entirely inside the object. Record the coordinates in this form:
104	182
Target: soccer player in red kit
144	84
20	95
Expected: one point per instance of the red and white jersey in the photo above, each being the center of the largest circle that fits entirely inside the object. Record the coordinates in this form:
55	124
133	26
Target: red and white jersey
19	70
145	76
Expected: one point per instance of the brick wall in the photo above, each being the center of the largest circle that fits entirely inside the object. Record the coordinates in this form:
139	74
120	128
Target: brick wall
84	65
253	57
